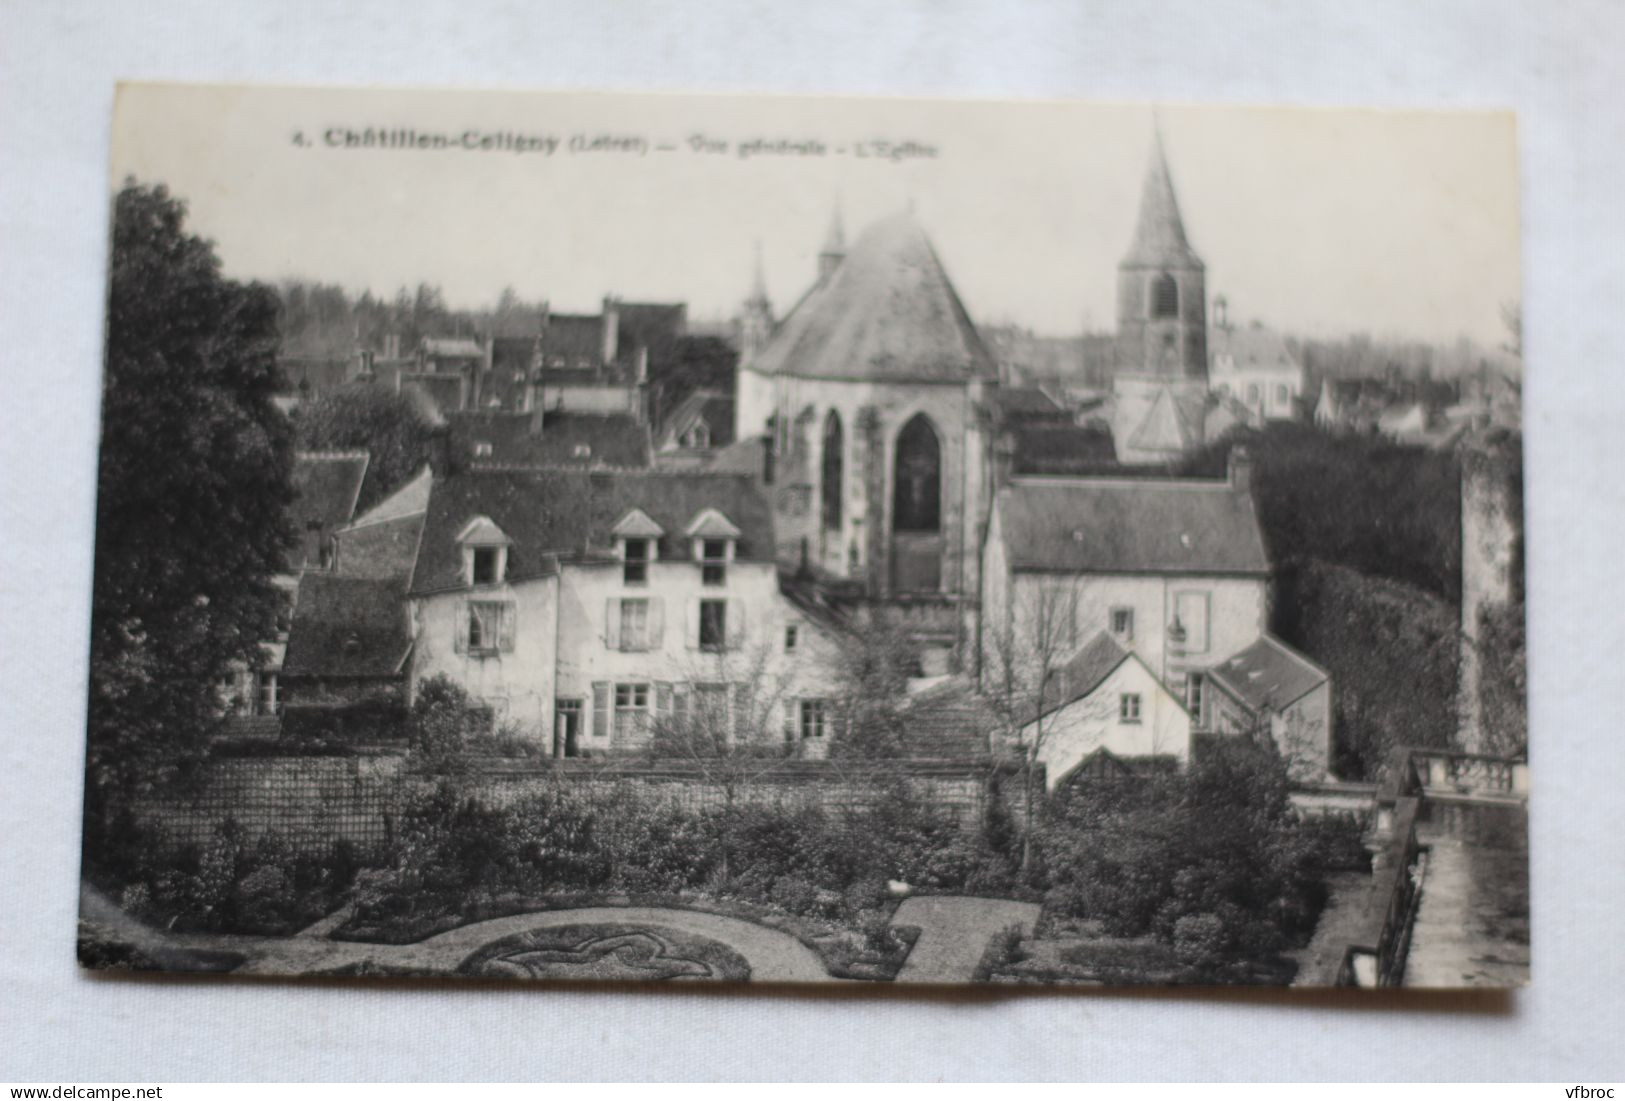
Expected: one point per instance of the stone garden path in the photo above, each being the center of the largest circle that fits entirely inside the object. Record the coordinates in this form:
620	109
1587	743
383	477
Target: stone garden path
954	934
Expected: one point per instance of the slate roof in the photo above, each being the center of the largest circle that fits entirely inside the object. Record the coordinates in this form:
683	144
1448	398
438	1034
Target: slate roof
1127	525
1253	348
888	313
578	339
552	513
1269	673
1159	234
347	627
610	439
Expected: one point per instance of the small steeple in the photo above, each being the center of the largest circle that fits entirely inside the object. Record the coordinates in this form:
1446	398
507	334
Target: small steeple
834	250
758	279
756	319
1159	235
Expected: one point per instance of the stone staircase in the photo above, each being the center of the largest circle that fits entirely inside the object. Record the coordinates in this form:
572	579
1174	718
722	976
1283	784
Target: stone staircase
949	721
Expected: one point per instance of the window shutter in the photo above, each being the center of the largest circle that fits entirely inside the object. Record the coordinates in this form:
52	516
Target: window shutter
679	702
459	642
691	628
612	623
736	624
600	709
657	623
742	713
506	631
663	697
789	720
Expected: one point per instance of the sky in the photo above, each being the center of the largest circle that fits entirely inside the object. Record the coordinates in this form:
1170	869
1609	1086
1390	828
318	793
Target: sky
1320	222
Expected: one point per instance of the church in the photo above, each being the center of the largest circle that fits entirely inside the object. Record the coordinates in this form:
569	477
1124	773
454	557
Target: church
877	406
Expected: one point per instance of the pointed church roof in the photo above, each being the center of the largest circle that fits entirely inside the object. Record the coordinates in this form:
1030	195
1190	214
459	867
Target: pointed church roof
1159	235
888	313
1167	426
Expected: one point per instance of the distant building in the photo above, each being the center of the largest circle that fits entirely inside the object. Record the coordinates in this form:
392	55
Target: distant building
1253	367
1271	688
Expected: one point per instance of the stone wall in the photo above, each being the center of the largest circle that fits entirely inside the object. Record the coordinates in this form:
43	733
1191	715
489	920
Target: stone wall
312	803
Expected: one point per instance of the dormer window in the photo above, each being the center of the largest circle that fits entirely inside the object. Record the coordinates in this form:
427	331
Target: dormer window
637	543
715	542
485	552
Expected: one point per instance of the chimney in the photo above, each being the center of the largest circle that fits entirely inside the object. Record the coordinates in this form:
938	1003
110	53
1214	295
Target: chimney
611	330
1221	312
640	398
1241	470
440	451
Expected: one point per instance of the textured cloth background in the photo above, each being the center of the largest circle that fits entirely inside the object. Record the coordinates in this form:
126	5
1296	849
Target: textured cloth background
1554	62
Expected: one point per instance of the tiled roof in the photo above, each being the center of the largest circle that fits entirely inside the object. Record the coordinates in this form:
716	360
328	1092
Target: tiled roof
576	339
1084	671
540	510
887	313
1062	449
1028	401
1170	424
453	347
347	627
566	439
568	513
1159	234
1269	673
1125	525
326	486
713	406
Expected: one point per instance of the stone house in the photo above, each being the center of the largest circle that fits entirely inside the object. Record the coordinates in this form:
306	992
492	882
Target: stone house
1174	569
1254	367
584	608
1270	687
1106	698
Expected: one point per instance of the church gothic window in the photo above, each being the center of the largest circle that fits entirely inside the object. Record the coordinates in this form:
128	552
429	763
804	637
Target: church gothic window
833	471
917	494
1164	296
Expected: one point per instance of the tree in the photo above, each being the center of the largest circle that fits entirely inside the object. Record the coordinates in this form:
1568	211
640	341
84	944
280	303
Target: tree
367	418
695	363
1026	652
192	495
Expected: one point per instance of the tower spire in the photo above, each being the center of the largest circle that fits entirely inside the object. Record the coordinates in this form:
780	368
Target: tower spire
834	250
1159	234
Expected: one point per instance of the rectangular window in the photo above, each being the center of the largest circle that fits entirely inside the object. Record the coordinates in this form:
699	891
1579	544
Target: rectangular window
631	709
267	700
485	565
714	561
713	625
1193	696
634	625
1128	707
1191	611
812	718
600	708
790	638
636	569
1123	623
490	626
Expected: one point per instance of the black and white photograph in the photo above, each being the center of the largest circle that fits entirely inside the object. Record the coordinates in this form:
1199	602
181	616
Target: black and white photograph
768	539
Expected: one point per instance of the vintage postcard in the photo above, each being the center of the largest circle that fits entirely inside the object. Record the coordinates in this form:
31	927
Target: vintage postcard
798	540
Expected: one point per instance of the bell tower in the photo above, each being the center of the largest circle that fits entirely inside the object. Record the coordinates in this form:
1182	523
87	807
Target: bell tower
756	317
1161	287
